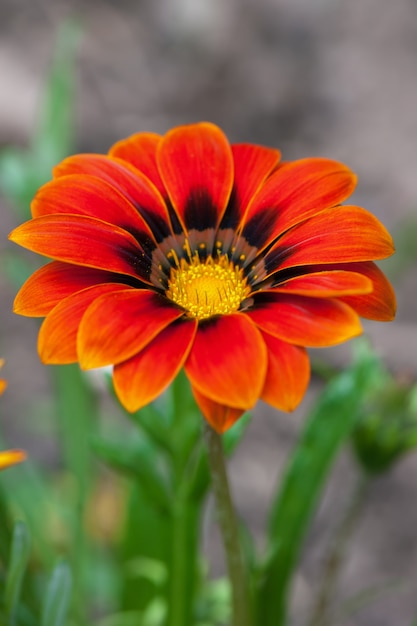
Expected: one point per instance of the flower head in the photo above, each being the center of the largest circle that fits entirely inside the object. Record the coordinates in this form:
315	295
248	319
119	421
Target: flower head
9	457
185	251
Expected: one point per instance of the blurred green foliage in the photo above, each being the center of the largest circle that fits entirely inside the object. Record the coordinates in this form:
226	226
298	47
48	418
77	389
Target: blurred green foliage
387	425
24	170
58	567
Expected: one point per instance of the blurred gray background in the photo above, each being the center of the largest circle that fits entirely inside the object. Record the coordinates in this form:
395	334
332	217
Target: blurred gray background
334	78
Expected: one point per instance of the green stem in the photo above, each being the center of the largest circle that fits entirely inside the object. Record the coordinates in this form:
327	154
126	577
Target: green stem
322	609
229	528
183	568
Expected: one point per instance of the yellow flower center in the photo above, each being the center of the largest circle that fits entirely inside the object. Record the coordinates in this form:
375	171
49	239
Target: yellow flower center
207	287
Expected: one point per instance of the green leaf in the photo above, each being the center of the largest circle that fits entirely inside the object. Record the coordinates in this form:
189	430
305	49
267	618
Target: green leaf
76	410
57	598
139	460
147	535
153	616
19	557
329	425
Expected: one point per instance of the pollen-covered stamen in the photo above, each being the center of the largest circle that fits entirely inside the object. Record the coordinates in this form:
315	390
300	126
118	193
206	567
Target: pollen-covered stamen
208	287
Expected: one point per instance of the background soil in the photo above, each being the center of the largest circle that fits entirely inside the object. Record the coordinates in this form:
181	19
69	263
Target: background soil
332	77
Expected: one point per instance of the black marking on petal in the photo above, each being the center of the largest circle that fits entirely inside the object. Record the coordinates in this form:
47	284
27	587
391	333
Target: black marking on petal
138	260
142	238
232	215
259	228
157	224
276	257
280	276
199	211
175	222
262	298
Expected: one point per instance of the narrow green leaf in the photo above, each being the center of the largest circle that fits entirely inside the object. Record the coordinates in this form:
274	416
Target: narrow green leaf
27	484
19	557
183	564
171	538
139	461
147	534
76	410
328	426
58	596
5	530
153	616
153	424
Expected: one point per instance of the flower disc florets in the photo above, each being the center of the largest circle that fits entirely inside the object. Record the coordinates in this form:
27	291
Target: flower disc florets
208	287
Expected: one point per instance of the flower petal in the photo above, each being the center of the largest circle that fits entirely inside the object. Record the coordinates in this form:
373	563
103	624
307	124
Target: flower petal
304	321
287	375
227	362
144	377
196	165
296	191
140	150
54	282
327	284
117	326
252	165
219	416
134	185
57	340
79	194
337	235
11	457
84	241
381	303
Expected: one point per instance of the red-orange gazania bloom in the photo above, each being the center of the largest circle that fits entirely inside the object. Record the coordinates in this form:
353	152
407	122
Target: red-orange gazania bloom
185	251
9	457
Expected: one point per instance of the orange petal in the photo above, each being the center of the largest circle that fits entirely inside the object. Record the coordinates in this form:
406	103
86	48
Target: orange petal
117	326
57	340
83	241
140	150
227	362
326	284
287	376
381	303
252	165
134	185
54	282
11	457
337	235
196	165
79	194
296	191
219	416
304	321
144	377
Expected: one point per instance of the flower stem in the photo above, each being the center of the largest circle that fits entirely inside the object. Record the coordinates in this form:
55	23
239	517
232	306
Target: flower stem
229	528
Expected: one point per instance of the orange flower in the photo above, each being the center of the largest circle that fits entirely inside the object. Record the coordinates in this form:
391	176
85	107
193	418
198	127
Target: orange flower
3	383
9	457
185	251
